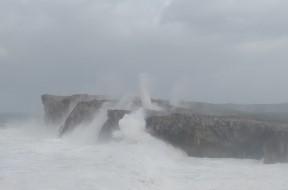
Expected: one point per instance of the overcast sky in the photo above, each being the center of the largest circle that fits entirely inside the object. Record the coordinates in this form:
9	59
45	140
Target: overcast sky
202	50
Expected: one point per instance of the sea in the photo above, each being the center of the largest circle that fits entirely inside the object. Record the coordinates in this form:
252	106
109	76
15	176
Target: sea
33	157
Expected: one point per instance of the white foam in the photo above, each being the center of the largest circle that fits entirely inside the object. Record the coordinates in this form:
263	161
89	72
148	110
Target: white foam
30	160
145	94
88	133
132	126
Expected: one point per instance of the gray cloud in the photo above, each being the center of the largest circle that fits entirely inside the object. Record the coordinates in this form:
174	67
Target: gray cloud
208	50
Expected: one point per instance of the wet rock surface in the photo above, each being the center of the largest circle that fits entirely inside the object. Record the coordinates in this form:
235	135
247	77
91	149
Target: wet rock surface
208	136
276	147
198	134
57	108
112	124
83	112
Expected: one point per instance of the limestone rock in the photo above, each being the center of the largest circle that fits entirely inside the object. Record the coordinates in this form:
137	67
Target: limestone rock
234	134
208	136
82	113
276	148
57	108
112	124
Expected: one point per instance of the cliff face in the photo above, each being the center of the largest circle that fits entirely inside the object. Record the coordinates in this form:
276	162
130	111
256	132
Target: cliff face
112	124
276	147
207	136
197	134
82	113
57	108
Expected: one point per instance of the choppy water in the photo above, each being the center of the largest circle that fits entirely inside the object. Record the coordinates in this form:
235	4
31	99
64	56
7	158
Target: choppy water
32	158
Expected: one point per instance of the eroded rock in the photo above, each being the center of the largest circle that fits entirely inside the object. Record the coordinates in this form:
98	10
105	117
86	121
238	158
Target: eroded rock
112	124
207	136
57	108
83	113
198	134
276	148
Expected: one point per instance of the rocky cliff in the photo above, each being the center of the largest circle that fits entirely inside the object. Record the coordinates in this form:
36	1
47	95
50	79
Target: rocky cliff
82	113
57	108
111	125
198	134
214	136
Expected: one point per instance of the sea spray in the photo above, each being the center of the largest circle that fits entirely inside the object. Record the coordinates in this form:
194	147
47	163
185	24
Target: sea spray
88	133
148	154
32	128
125	102
133	129
51	163
30	160
132	126
145	94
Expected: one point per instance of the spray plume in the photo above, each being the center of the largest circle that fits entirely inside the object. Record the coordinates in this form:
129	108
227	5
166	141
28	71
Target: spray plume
145	94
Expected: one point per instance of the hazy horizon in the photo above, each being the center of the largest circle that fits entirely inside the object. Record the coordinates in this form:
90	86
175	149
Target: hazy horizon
220	51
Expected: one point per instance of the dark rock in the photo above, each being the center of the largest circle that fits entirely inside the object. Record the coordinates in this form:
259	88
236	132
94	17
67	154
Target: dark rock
232	132
276	113
57	108
207	136
112	124
276	148
83	113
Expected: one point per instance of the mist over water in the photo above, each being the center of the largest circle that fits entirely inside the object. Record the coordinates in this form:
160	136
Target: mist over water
33	157
145	94
88	133
207	50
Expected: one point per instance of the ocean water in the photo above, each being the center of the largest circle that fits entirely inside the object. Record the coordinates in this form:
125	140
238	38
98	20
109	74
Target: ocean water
32	157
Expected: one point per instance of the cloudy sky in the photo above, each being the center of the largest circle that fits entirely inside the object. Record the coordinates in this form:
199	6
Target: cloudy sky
202	50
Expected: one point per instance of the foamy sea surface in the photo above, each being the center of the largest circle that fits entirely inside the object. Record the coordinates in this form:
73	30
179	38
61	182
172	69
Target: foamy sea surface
32	157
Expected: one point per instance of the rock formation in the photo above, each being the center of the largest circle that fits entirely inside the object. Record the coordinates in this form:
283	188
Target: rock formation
210	136
82	113
198	134
276	147
111	124
57	108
